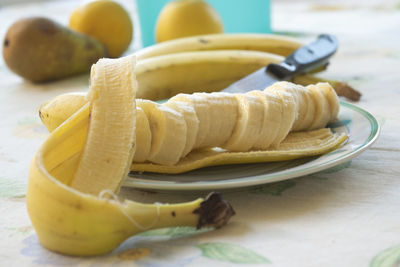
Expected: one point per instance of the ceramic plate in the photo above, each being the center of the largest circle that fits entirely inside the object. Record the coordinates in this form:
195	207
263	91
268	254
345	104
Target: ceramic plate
362	128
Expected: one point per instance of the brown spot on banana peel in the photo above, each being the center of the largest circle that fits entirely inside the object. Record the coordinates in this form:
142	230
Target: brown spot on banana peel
203	41
214	211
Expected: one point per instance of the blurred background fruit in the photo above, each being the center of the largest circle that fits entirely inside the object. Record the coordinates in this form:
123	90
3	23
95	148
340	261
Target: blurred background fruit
184	18
40	50
106	21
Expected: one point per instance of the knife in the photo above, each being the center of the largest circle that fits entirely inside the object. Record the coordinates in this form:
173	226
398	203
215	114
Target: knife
304	59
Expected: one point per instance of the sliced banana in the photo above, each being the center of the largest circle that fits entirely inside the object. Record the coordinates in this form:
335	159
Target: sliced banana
272	118
289	112
222	112
201	107
168	132
249	123
322	110
192	122
332	98
143	136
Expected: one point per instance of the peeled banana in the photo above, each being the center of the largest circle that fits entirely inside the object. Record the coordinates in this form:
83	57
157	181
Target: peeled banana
78	170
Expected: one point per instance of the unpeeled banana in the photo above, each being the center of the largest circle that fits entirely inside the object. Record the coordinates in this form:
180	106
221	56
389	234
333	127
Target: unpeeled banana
162	77
271	43
78	170
277	45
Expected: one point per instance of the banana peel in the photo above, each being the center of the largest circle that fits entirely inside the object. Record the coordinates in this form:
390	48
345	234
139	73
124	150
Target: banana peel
73	222
295	145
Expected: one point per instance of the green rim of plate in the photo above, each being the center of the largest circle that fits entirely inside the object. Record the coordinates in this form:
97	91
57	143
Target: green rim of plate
265	178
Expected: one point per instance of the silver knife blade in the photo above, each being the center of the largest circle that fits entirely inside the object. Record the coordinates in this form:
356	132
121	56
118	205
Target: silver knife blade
258	80
304	59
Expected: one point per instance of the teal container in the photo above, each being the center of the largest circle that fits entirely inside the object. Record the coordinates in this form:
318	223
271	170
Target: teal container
237	15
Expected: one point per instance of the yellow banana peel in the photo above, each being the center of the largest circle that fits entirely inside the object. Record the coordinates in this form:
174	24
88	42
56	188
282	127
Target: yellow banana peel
295	145
72	222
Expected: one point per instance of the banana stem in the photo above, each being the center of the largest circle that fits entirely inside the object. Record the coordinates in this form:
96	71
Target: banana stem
341	88
212	211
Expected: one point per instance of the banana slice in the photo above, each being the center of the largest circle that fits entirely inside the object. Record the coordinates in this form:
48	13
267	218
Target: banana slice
222	113
332	98
305	105
272	118
111	136
192	122
289	112
249	123
307	120
322	110
168	132
143	136
201	106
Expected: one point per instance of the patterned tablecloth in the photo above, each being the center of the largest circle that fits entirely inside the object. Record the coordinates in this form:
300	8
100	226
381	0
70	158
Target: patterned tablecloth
345	216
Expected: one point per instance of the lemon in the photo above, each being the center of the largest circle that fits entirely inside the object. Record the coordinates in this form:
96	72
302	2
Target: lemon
183	18
107	21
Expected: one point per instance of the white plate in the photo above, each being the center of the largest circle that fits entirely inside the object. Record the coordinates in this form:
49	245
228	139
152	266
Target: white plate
362	128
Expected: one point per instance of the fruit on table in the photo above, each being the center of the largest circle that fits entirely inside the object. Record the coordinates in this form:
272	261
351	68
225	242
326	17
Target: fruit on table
79	168
164	76
105	20
40	50
272	43
182	18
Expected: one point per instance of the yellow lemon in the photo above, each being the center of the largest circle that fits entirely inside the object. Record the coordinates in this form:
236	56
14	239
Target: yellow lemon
183	18
107	21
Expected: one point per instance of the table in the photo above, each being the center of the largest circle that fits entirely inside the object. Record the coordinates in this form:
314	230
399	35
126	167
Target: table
345	216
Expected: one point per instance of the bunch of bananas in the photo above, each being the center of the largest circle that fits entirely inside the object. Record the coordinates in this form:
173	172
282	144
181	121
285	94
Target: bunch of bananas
95	137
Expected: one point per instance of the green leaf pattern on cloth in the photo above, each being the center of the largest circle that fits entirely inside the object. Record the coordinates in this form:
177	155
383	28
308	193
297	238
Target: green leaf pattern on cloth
175	232
388	258
275	189
11	188
231	253
337	168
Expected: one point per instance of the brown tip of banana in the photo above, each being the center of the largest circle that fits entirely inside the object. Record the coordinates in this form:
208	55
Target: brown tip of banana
214	211
343	89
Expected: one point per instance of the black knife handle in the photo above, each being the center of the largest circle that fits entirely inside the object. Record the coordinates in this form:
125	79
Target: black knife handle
306	58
